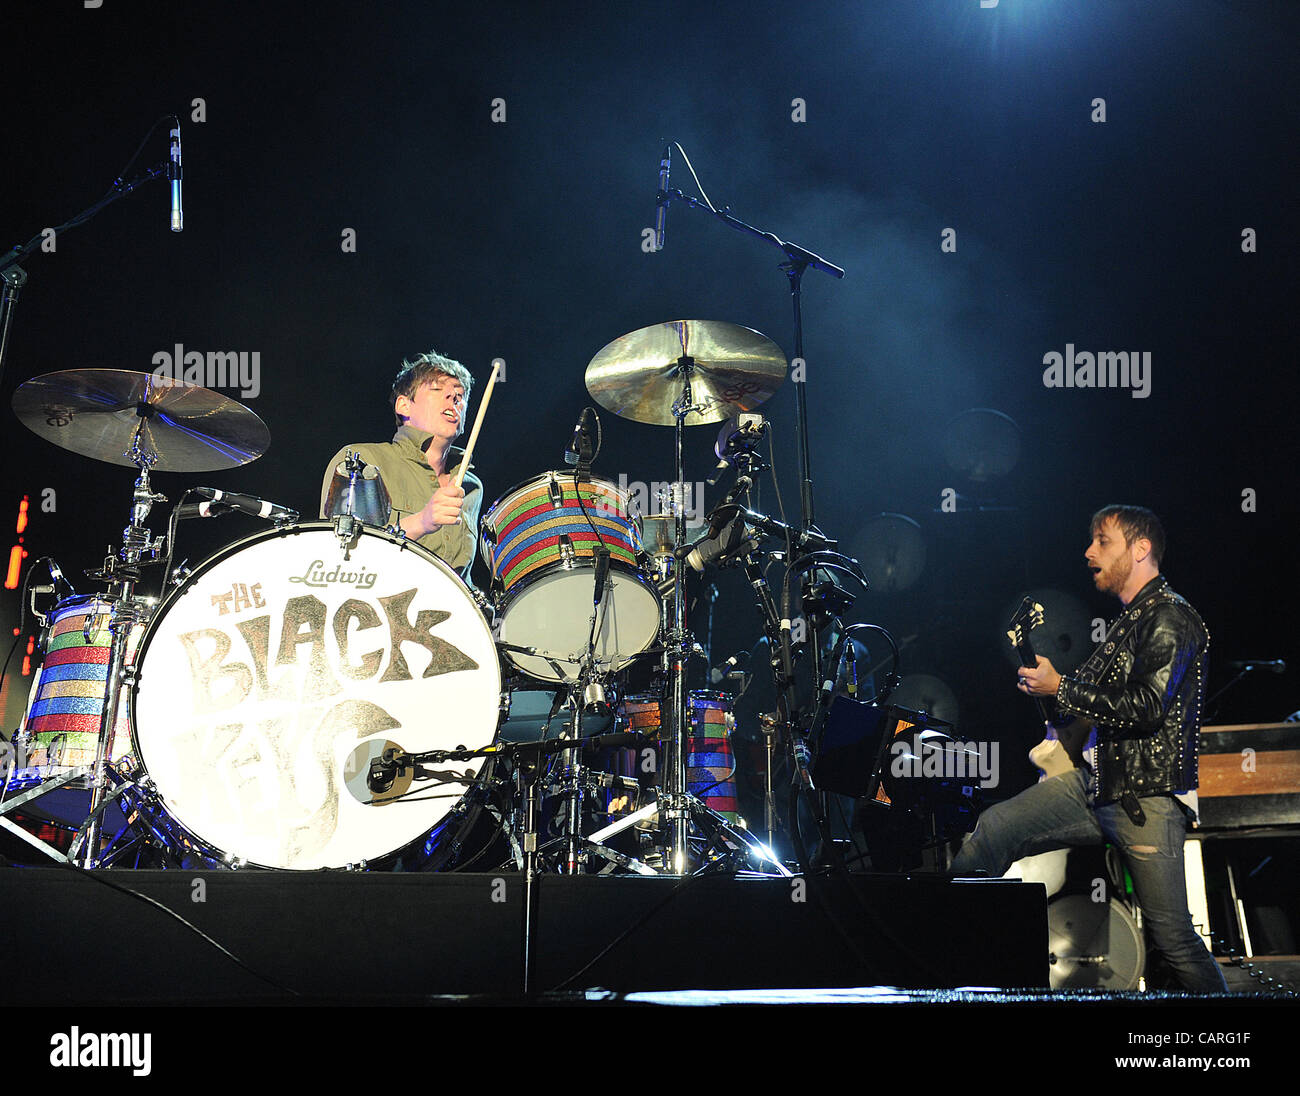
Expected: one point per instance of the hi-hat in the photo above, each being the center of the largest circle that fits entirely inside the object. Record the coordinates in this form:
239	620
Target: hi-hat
639	376
111	414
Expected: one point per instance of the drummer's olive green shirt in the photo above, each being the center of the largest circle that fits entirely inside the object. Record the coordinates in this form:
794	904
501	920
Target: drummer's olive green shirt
411	483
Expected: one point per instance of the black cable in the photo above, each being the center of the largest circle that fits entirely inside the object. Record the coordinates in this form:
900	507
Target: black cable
173	522
76	870
776	485
136	155
1245	964
681	886
604	548
22	614
116	189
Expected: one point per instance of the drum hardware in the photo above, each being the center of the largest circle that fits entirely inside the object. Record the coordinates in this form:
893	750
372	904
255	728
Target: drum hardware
797	260
121	573
588	685
145	422
667	374
357	492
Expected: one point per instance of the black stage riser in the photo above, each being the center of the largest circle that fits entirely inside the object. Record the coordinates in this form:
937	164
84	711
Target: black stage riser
355	936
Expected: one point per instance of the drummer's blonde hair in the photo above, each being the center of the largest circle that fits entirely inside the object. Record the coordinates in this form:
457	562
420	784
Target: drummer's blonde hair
422	369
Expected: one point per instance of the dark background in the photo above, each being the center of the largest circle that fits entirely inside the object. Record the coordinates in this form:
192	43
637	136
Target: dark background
523	241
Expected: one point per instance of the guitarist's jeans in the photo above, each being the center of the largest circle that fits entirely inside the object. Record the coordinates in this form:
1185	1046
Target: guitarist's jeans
1058	812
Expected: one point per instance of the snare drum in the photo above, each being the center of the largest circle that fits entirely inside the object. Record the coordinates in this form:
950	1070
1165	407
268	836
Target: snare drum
538	541
286	664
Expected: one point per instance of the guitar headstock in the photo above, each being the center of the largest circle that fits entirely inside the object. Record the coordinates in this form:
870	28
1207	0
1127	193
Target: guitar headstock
1028	617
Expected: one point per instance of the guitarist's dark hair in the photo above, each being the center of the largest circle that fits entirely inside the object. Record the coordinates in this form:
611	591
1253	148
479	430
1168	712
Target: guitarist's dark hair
1136	523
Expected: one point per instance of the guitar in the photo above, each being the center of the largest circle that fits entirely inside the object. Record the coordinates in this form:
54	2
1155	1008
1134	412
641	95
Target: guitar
1062	747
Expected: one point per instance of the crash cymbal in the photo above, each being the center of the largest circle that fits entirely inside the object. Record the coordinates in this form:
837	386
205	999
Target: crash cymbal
638	377
100	413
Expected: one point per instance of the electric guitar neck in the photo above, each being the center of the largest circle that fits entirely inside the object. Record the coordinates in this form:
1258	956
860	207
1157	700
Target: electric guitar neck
1062	747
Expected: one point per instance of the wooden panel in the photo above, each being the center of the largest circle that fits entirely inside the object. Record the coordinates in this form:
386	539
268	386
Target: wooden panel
1240	790
1275	772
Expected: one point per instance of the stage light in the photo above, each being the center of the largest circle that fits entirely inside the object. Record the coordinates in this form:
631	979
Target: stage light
16	556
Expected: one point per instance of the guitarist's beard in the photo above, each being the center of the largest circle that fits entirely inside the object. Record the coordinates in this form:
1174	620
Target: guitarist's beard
1112	579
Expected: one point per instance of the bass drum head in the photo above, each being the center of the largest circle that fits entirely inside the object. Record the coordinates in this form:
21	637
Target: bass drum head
1093	945
285	665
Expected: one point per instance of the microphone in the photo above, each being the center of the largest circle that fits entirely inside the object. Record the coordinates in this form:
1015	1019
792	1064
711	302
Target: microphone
601	552
1273	666
718	673
202	510
385	770
220	501
727	542
60	581
174	177
579	451
661	200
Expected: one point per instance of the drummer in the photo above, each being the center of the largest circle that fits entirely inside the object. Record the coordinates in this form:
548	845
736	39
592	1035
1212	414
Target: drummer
419	466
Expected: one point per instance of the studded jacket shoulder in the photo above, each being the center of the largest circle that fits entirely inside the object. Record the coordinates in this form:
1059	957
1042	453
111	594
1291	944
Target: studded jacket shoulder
1142	688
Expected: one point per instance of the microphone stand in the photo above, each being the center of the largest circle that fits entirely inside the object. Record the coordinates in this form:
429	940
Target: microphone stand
797	260
14	277
527	757
1210	713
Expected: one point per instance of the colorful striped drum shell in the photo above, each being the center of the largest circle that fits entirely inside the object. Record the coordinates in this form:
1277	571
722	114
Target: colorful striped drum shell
62	724
522	530
710	763
643	714
540	544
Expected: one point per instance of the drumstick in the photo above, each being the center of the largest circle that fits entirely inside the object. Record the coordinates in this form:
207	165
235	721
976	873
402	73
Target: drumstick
478	421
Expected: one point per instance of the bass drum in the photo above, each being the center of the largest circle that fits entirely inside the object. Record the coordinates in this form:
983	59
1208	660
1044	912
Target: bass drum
285	665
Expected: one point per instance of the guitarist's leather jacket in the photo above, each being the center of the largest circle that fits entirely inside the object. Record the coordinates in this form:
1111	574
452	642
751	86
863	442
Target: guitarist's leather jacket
1142	688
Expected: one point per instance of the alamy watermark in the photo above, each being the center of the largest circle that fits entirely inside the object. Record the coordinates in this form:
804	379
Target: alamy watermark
912	757
1105	369
646	498
121	1050
215	369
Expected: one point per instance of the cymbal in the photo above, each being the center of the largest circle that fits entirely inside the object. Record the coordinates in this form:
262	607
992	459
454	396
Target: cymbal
99	413
637	376
891	549
982	444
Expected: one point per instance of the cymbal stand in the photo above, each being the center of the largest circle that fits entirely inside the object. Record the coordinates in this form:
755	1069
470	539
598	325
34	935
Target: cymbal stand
674	814
587	690
122	573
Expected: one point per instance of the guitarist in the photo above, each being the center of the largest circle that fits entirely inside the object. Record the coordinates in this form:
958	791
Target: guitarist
1142	690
